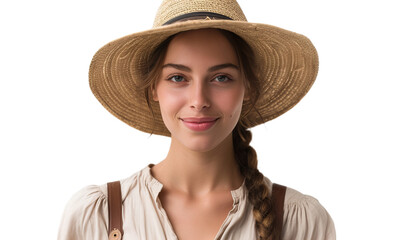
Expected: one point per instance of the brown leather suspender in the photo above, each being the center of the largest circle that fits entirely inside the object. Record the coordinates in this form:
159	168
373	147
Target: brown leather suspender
278	194
115	229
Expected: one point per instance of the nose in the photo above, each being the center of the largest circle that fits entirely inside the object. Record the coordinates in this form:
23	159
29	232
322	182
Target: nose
199	96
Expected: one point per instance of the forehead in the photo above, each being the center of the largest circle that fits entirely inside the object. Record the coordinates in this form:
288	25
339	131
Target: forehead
202	45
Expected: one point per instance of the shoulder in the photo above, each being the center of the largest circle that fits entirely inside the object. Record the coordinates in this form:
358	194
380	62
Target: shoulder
86	213
306	218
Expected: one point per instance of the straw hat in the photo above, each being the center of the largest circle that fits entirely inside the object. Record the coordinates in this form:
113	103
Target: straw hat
288	62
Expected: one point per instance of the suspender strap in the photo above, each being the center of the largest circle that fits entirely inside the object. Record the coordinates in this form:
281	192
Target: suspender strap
278	194
115	229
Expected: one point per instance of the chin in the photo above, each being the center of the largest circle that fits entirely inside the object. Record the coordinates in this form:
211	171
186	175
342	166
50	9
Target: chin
204	143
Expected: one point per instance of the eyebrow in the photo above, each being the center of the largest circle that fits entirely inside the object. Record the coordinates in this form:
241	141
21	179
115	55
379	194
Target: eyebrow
211	69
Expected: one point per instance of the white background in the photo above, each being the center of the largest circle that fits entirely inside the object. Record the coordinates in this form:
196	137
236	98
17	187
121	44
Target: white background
341	144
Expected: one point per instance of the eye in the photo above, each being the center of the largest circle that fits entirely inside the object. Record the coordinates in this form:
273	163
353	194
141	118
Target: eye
222	78
177	78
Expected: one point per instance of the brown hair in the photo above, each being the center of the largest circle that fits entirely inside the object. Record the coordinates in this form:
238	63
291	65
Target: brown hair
258	191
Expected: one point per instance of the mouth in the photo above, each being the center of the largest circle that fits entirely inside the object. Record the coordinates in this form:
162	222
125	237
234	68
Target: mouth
199	124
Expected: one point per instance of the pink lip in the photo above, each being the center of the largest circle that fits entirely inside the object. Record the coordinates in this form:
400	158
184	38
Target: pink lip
199	124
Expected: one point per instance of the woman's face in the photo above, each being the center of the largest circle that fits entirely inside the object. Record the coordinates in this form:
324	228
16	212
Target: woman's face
200	90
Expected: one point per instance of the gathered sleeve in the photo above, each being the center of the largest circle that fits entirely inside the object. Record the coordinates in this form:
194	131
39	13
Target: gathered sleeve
85	216
305	218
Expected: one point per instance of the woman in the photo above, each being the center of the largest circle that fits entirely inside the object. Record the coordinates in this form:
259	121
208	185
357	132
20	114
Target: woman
202	76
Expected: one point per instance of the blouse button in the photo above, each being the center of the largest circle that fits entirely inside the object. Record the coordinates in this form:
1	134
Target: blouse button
115	235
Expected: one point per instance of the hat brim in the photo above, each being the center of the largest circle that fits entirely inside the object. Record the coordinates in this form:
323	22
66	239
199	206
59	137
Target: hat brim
288	64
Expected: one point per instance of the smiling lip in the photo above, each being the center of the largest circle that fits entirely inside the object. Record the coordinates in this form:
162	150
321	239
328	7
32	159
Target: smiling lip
199	124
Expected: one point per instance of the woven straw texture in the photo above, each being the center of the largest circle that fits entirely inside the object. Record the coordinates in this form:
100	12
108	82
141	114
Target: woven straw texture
288	63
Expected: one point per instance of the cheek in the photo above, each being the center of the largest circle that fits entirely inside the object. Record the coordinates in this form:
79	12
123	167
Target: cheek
231	102
170	101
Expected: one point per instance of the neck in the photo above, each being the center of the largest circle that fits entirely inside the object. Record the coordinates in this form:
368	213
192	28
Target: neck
198	173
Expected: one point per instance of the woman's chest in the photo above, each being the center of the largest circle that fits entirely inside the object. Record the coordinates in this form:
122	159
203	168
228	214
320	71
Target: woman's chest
148	215
197	219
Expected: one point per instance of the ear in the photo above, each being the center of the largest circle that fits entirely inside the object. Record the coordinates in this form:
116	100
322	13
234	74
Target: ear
246	96
154	94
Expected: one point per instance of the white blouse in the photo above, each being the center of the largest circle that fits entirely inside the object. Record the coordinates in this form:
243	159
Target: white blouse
86	214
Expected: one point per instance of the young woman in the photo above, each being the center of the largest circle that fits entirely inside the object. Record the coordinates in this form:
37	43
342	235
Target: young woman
202	76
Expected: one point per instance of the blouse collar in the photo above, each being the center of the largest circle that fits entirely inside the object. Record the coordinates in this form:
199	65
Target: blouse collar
155	187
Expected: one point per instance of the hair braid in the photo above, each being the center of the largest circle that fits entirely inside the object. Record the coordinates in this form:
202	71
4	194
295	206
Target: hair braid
258	192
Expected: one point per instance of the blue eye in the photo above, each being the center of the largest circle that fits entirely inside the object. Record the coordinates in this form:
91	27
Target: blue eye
222	78
177	78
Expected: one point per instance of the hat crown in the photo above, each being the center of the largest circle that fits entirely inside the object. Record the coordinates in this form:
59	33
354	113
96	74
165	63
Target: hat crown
170	9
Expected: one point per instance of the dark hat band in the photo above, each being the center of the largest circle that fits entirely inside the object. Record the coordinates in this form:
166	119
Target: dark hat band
197	15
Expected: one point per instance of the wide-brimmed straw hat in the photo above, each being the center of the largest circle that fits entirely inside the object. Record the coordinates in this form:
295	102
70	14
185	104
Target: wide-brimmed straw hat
288	62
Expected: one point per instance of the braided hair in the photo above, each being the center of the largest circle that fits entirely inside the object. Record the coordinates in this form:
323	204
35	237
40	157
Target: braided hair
258	192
